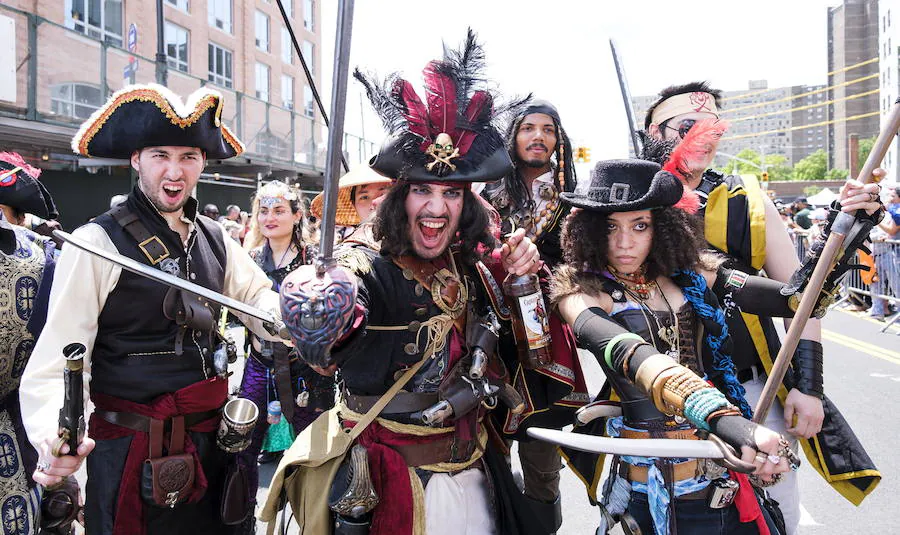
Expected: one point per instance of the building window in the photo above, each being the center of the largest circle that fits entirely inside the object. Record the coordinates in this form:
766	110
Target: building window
262	31
220	14
269	144
183	5
176	46
309	51
287	47
308	104
309	13
288	7
287	91
220	66
100	19
262	81
75	100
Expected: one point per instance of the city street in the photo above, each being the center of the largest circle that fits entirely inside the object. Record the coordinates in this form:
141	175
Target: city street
862	377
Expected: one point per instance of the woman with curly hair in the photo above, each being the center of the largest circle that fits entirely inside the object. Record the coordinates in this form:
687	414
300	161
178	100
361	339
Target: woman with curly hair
641	295
278	241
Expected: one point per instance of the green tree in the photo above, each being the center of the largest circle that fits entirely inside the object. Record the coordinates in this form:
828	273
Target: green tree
837	174
778	168
813	167
865	147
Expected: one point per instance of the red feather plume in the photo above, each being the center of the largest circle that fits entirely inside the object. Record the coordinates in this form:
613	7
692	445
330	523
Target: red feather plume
441	97
480	103
416	114
702	138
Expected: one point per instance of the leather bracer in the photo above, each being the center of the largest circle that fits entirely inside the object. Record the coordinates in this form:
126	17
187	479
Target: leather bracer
807	365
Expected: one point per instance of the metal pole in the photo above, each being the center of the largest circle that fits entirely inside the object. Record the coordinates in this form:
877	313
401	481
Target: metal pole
309	77
162	71
335	132
626	97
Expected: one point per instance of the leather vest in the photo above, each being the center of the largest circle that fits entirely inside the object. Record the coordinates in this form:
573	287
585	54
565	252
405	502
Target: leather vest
373	359
134	356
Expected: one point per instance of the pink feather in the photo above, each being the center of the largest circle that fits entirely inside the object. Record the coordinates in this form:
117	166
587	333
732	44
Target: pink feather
16	160
441	98
479	102
703	137
416	113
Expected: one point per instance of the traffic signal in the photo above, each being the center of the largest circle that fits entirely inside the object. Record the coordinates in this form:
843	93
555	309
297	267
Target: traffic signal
582	154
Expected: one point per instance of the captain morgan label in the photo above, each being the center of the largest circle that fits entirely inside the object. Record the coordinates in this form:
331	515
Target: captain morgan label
534	318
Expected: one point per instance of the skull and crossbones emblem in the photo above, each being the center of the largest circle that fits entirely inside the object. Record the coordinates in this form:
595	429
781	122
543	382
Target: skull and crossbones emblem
442	150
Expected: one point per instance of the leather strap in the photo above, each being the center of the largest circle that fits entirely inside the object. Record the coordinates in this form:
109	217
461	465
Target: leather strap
681	434
149	244
681	471
156	438
283	383
138	422
403	402
176	439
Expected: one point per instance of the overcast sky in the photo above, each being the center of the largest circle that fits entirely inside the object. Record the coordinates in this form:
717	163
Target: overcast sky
559	50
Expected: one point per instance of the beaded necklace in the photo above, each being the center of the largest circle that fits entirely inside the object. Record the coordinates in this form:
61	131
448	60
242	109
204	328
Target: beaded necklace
635	282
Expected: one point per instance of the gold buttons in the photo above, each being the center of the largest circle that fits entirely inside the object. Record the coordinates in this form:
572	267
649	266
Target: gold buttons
414	326
411	348
421	312
419	290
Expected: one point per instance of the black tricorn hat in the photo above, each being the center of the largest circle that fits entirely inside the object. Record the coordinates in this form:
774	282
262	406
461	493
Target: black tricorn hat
139	116
451	135
21	189
627	186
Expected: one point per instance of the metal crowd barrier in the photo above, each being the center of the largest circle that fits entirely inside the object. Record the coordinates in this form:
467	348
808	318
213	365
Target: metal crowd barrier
887	267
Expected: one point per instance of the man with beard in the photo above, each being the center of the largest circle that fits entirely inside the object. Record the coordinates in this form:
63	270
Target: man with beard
149	348
742	222
528	198
425	305
25	258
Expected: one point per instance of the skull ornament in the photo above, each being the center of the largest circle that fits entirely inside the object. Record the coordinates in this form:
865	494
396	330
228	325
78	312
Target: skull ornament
442	150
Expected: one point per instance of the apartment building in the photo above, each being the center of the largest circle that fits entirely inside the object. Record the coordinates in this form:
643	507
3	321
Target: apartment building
67	56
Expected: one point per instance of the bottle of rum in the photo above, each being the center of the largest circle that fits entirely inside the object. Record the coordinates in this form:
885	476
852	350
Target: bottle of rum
531	324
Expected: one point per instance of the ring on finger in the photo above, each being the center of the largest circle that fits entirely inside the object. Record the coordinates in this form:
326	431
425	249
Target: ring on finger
761	457
774	459
42	466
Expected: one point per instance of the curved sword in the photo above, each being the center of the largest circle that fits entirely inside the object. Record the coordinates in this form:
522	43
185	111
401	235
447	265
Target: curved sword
170	280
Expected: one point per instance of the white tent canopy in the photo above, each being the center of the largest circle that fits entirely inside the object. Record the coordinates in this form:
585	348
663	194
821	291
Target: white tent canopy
823	198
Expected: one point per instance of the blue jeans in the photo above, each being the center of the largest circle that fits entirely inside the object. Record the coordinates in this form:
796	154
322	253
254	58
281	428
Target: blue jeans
888	282
693	517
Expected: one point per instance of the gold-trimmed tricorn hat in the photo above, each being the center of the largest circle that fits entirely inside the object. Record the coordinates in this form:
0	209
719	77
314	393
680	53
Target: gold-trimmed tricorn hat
139	116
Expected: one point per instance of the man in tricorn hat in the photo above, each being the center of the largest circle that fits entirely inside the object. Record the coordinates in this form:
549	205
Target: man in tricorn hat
24	258
529	197
149	348
417	312
743	223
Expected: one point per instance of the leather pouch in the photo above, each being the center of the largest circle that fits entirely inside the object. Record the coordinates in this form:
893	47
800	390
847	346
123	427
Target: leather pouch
167	481
236	501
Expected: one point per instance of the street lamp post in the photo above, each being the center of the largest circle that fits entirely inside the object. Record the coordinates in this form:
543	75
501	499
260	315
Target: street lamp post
162	74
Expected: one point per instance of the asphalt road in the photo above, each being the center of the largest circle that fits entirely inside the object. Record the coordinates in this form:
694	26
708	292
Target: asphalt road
862	377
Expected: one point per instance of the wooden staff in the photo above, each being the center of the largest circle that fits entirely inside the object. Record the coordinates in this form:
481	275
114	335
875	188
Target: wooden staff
839	229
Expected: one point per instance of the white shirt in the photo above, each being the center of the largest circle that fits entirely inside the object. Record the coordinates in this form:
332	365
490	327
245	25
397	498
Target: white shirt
81	285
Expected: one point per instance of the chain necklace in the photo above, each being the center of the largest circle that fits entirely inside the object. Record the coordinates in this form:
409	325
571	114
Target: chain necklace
669	334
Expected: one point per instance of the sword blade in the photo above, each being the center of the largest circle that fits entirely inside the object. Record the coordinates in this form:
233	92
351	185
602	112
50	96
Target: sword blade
626	97
335	132
165	278
650	447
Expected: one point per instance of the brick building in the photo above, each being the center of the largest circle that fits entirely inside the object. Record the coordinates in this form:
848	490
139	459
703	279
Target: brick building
67	56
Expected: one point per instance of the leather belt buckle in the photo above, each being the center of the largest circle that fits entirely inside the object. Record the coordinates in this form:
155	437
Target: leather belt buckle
154	249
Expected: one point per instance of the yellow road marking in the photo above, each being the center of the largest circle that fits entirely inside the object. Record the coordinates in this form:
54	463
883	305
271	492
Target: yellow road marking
858	345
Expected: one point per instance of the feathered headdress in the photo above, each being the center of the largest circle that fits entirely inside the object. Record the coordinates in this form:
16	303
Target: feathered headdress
451	135
703	137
